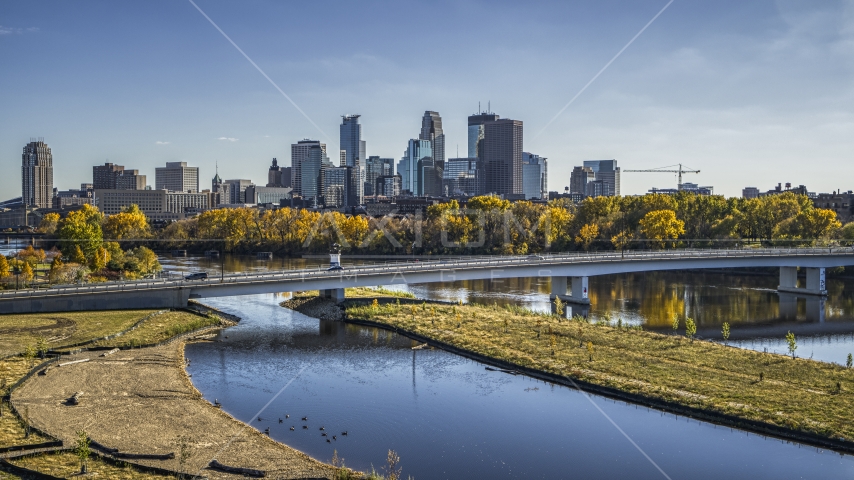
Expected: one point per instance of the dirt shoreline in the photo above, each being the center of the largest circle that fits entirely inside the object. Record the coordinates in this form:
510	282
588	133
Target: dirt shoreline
141	401
752	426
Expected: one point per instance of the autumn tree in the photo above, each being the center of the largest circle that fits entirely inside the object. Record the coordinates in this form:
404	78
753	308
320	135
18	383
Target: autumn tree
4	266
81	229
128	224
31	255
661	226
49	223
586	235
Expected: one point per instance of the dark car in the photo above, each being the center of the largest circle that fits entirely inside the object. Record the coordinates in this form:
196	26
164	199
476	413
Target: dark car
334	268
197	276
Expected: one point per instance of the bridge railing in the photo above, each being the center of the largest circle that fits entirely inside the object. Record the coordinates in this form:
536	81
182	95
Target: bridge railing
445	264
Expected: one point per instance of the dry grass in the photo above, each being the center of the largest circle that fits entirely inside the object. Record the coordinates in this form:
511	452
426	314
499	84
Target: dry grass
160	328
67	465
798	394
62	329
360	292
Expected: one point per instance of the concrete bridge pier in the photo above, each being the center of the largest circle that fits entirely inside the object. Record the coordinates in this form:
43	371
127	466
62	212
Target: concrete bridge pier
336	294
579	289
816	281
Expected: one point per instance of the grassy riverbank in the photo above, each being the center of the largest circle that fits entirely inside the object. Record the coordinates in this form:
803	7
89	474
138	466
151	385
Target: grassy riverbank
57	332
801	395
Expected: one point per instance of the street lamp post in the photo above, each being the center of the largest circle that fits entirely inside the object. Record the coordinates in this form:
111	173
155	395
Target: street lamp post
17	271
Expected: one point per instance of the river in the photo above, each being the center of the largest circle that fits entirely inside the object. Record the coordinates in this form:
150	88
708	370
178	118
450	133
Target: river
449	418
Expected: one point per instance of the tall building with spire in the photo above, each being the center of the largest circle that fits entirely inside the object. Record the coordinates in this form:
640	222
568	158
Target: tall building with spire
37	175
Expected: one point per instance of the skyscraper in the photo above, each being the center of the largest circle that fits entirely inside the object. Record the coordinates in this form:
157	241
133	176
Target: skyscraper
459	177
431	129
475	131
500	161
335	185
278	177
301	153
416	153
376	167
177	177
535	178
609	173
579	178
353	153
37	175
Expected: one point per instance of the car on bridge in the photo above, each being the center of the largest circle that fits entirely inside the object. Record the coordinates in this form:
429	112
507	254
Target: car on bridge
197	276
335	268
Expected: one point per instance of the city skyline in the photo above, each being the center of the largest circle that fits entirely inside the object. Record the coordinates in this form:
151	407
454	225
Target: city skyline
718	86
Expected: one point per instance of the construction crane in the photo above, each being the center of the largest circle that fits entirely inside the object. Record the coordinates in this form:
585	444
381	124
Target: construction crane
679	171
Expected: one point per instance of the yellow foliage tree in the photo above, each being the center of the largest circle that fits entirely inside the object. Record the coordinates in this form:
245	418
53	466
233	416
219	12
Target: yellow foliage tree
49	223
661	226
130	223
78	256
100	259
4	266
31	255
586	235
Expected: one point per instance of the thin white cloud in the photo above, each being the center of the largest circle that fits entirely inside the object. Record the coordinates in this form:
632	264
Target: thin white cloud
161	143
230	139
16	31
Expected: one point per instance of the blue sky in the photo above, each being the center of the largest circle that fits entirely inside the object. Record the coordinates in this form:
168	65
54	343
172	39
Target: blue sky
751	92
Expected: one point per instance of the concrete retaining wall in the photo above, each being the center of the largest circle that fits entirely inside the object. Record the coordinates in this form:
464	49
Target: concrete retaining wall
131	300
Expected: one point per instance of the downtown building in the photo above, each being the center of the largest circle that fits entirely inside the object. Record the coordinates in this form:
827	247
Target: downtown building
110	176
307	158
278	177
376	167
37	175
177	177
460	177
500	158
155	204
535	178
352	154
607	181
419	176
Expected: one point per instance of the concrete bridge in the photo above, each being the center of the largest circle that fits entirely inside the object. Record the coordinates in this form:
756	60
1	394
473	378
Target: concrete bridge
569	274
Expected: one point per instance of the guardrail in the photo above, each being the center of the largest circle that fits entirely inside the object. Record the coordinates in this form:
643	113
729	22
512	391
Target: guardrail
409	266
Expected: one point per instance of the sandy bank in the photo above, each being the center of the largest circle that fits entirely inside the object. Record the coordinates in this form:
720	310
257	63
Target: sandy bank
141	401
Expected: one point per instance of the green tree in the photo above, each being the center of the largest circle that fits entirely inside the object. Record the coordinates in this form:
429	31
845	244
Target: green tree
725	332
81	228
661	226
846	233
849	361
81	449
793	343
690	328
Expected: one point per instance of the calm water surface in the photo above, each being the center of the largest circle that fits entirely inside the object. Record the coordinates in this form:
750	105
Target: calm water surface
448	417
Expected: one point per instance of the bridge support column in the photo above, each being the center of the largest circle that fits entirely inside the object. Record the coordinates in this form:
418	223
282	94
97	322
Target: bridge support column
336	294
558	288
815	281
579	291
